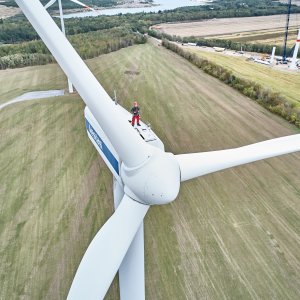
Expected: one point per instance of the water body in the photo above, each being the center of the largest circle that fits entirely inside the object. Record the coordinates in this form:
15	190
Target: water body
158	5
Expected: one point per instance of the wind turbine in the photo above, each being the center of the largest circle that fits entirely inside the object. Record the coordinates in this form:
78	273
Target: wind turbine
144	174
51	2
293	65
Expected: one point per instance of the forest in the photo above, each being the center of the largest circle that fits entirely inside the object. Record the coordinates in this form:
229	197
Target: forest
88	45
68	4
18	29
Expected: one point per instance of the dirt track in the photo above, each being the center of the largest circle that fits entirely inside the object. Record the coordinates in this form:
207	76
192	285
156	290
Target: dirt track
34	95
227	25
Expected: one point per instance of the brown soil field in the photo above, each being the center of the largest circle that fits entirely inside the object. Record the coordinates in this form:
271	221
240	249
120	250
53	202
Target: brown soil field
6	12
227	25
266	36
295	2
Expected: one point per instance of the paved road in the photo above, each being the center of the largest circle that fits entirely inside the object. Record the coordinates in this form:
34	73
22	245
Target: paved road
33	96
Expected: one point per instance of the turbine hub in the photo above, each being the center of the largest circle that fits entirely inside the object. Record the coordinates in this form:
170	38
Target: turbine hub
155	182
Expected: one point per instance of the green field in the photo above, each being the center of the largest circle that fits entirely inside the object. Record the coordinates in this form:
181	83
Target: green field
286	83
229	235
17	82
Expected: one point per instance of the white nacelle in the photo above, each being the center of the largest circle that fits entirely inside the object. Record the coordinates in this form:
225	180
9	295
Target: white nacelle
144	131
104	146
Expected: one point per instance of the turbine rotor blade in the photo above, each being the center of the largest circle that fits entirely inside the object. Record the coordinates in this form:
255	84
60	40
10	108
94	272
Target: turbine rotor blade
82	4
198	164
105	254
51	2
132	269
132	150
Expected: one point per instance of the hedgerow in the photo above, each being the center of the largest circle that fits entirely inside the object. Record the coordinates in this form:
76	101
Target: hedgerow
273	101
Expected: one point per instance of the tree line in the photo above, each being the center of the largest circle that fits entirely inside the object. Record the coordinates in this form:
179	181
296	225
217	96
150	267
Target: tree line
88	45
273	101
228	44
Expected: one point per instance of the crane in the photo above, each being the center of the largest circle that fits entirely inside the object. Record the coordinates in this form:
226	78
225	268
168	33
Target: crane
284	54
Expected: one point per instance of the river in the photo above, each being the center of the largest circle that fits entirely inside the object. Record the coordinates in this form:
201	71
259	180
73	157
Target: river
158	5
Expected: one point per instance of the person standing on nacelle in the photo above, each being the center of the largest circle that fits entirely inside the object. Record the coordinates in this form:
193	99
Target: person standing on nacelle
135	110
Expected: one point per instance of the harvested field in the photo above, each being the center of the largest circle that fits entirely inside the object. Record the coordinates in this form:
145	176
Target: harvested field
216	27
6	12
295	2
229	235
268	36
